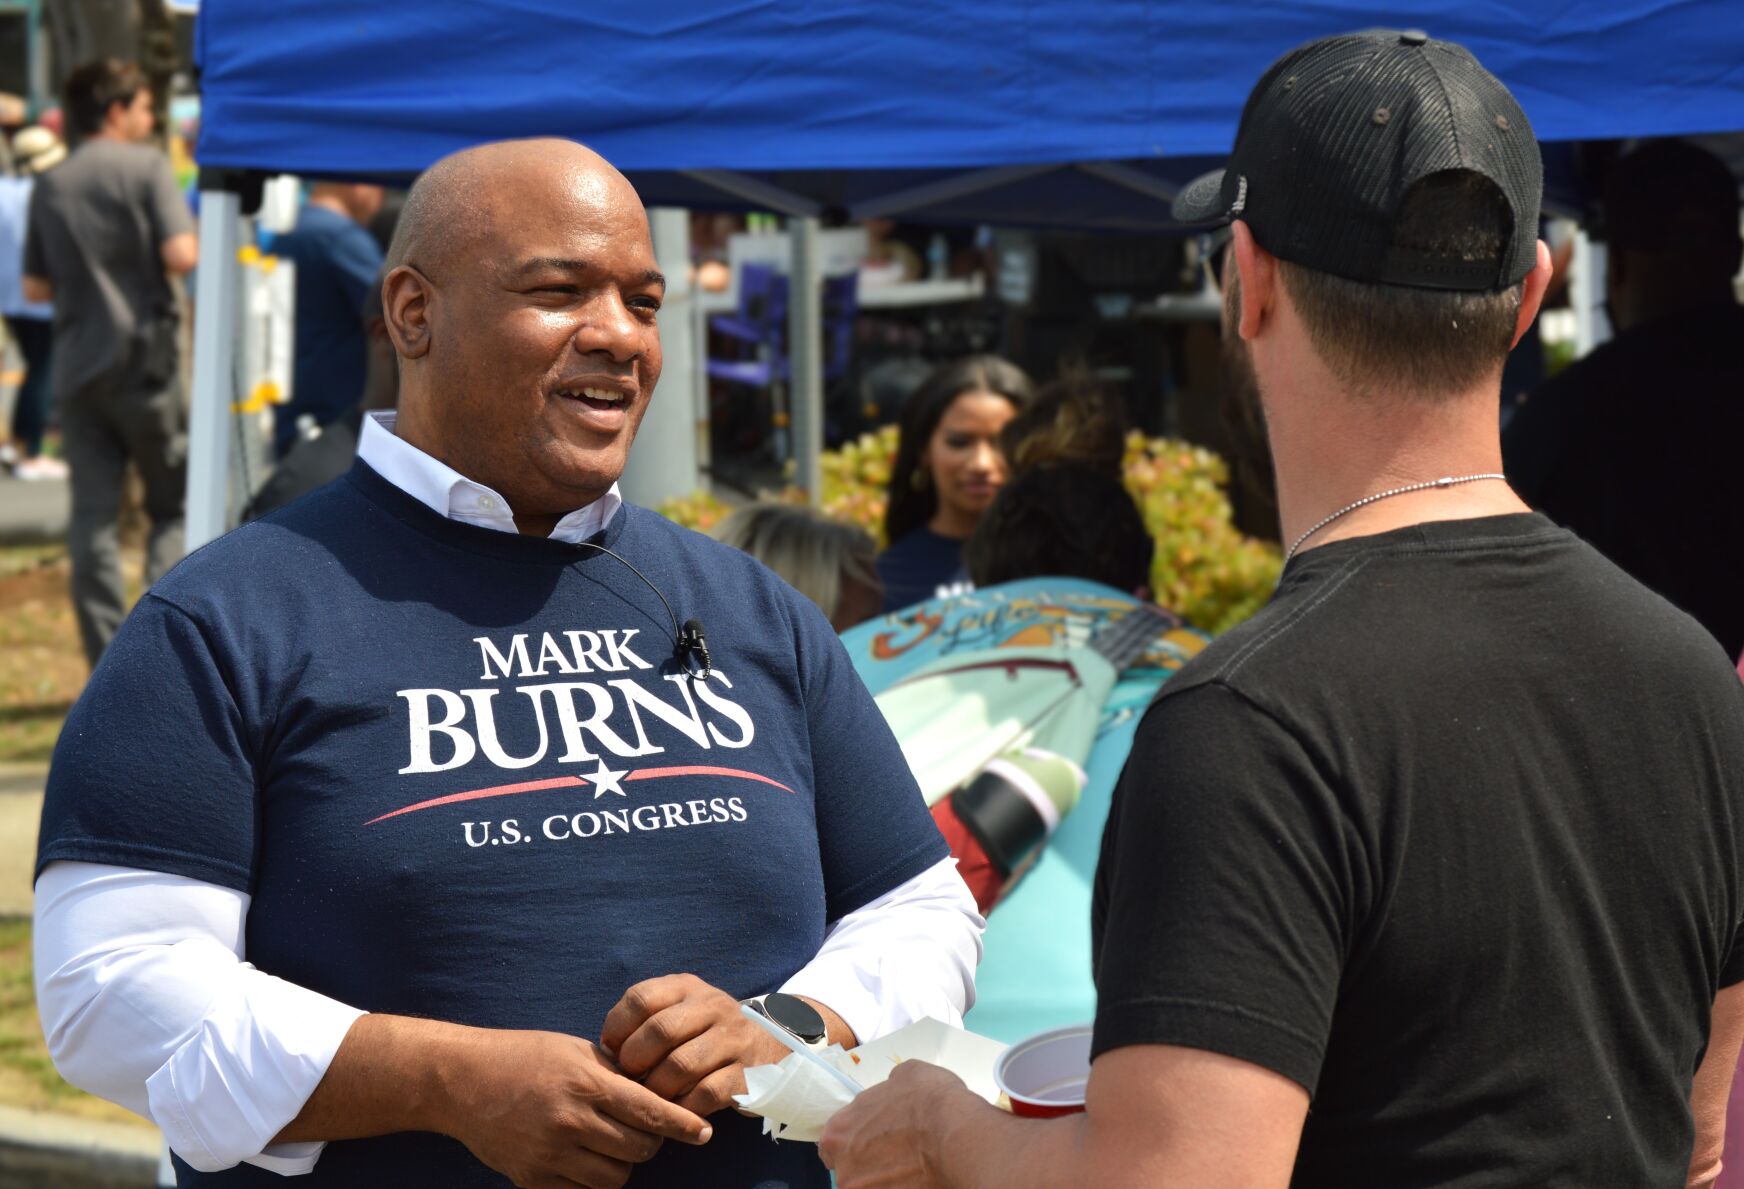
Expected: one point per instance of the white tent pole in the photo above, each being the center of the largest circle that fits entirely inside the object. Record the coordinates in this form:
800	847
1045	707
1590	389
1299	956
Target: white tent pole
217	300
662	463
805	336
1587	294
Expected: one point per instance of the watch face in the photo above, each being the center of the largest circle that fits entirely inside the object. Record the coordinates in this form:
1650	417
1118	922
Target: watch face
795	1015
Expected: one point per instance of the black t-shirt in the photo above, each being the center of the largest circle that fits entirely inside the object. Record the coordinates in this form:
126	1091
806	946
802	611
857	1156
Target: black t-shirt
1637	448
1448	834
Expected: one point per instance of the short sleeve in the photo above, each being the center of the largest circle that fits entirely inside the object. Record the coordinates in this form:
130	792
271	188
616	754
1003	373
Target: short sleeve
1732	969
875	832
170	215
152	770
1222	895
1732	973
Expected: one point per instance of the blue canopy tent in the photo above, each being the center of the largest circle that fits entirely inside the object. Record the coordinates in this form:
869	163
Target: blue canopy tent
856	102
1081	115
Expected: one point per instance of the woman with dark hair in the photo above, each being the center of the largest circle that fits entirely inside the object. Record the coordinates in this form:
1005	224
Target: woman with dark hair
1069	520
948	469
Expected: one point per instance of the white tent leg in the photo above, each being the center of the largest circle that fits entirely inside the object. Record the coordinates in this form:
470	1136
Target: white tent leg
805	337
218	297
1587	295
662	463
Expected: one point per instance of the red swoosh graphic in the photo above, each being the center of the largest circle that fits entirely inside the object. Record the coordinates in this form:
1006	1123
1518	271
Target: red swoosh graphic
501	790
704	770
558	782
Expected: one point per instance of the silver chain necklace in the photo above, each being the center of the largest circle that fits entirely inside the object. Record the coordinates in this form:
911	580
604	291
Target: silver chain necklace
1445	481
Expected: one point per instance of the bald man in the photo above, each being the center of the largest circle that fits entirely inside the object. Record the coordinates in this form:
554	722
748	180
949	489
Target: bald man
405	837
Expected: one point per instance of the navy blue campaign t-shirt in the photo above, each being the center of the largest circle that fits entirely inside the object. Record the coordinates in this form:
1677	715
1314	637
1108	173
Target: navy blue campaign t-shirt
462	777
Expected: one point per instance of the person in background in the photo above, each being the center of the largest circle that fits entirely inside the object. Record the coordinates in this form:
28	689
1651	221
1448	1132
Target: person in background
338	261
108	232
1069	421
1065	512
313	461
1067	520
830	562
948	469
1634	446
387	218
710	232
889	261
35	150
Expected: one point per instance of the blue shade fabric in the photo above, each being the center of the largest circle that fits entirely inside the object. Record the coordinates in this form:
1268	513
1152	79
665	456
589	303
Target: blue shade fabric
384	88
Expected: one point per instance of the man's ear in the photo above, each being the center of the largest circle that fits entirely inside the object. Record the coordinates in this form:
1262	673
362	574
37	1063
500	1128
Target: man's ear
1532	293
1258	270
406	295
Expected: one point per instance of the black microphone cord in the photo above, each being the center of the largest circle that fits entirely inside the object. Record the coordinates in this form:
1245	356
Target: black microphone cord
687	641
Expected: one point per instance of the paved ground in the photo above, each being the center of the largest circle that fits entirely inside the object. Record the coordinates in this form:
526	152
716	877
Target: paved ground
20	806
41	1151
34	512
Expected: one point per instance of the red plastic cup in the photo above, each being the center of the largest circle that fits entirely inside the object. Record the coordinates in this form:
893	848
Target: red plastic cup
1044	1076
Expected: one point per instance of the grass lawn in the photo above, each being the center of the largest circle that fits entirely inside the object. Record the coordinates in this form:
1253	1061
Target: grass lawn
27	1078
42	669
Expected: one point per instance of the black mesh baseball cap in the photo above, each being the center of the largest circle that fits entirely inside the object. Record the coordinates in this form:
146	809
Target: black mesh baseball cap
1337	132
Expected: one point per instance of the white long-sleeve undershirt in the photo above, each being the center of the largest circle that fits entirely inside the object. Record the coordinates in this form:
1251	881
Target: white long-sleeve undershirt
146	999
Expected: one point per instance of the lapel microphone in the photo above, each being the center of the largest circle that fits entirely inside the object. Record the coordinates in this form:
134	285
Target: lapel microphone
688	644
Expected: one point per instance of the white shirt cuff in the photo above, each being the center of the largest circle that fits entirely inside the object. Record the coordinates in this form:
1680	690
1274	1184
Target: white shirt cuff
907	955
260	1032
145	1000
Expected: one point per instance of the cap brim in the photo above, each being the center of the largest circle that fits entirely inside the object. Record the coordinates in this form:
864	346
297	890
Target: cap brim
1201	200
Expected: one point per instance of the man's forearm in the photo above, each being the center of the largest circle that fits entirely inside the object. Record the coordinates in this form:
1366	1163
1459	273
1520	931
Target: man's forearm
977	1145
1156	1115
391	1073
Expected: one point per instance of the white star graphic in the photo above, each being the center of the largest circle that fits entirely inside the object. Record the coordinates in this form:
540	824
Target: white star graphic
606	781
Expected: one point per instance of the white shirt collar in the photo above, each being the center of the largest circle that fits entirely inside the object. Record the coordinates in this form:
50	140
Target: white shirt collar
449	493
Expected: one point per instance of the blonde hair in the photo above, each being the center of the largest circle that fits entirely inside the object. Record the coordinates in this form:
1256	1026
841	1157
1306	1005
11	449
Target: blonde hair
813	552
